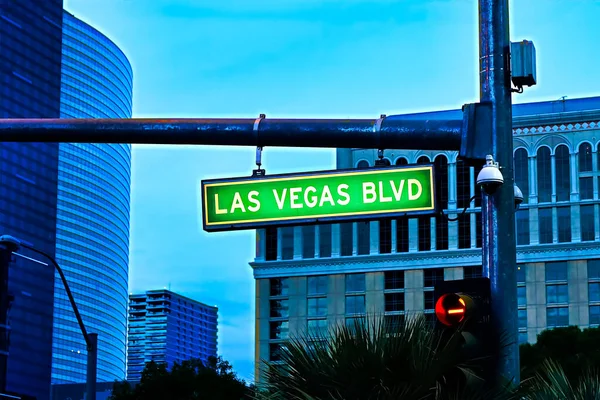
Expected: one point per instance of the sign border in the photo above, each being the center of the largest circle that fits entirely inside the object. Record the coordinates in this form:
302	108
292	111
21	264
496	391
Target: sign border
293	221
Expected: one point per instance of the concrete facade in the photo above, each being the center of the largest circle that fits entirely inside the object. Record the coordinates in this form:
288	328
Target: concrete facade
391	266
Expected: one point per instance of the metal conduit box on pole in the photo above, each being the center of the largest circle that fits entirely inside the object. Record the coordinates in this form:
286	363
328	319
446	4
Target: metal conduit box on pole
522	63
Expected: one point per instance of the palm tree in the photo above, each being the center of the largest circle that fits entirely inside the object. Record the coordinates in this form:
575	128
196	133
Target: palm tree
381	359
551	383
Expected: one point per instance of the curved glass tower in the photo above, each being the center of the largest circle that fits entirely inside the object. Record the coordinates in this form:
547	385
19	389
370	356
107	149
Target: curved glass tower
92	239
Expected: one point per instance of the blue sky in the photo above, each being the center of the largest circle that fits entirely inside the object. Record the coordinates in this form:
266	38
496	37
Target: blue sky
296	58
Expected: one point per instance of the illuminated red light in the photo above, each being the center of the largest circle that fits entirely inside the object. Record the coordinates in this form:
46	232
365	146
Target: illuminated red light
450	309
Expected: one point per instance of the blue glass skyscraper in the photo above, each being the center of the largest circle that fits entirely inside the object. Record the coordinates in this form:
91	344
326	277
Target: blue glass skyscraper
92	230
30	64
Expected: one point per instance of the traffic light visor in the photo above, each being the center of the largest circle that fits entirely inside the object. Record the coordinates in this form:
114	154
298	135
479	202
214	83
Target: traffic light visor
451	309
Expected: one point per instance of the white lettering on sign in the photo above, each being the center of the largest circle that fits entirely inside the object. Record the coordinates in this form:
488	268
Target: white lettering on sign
312	200
373	192
294	197
326	196
397	192
411	184
343	194
252	199
369	195
217	209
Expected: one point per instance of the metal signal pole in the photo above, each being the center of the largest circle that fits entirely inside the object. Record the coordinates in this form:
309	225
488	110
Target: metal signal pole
498	209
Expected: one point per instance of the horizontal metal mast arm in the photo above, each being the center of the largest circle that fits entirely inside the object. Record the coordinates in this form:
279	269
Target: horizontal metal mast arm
388	133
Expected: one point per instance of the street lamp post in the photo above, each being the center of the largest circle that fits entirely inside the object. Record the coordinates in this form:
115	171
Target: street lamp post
8	246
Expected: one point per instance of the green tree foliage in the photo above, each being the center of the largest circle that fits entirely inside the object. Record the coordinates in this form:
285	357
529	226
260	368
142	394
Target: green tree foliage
380	360
189	380
575	350
551	383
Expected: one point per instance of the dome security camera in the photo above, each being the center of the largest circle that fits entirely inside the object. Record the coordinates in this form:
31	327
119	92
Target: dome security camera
518	197
490	178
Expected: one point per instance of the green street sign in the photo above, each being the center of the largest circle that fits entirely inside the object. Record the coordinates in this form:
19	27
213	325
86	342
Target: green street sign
316	197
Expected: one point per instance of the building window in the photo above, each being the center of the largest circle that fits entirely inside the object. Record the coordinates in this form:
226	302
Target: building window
279	286
275	351
522	314
317	307
464	231
521	296
441	188
287	243
355	304
432	276
545	225
424	223
473	272
402	235
463	185
385	236
522	337
544	175
522	172
586	183
594	291
556	271
271	244
522	224
401	161
355	283
394	322
308	241
325	240
557	316
587	220
564	224
394	302
593	267
429	299
317	285
557	294
394	280
594	315
346	239
279	330
317	327
441	233
364	237
563	173
520	273
280	309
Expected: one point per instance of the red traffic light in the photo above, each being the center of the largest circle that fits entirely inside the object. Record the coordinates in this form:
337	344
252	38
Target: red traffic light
451	309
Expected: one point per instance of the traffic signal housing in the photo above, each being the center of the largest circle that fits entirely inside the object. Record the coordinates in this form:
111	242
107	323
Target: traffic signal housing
463	302
463	306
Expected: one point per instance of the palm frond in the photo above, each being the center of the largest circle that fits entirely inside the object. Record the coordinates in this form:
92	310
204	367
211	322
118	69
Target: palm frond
377	358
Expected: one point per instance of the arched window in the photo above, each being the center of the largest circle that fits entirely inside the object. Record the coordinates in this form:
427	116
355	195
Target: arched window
544	175
362	164
401	223
401	161
424	221
522	172
586	181
586	192
441	189
463	194
563	173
